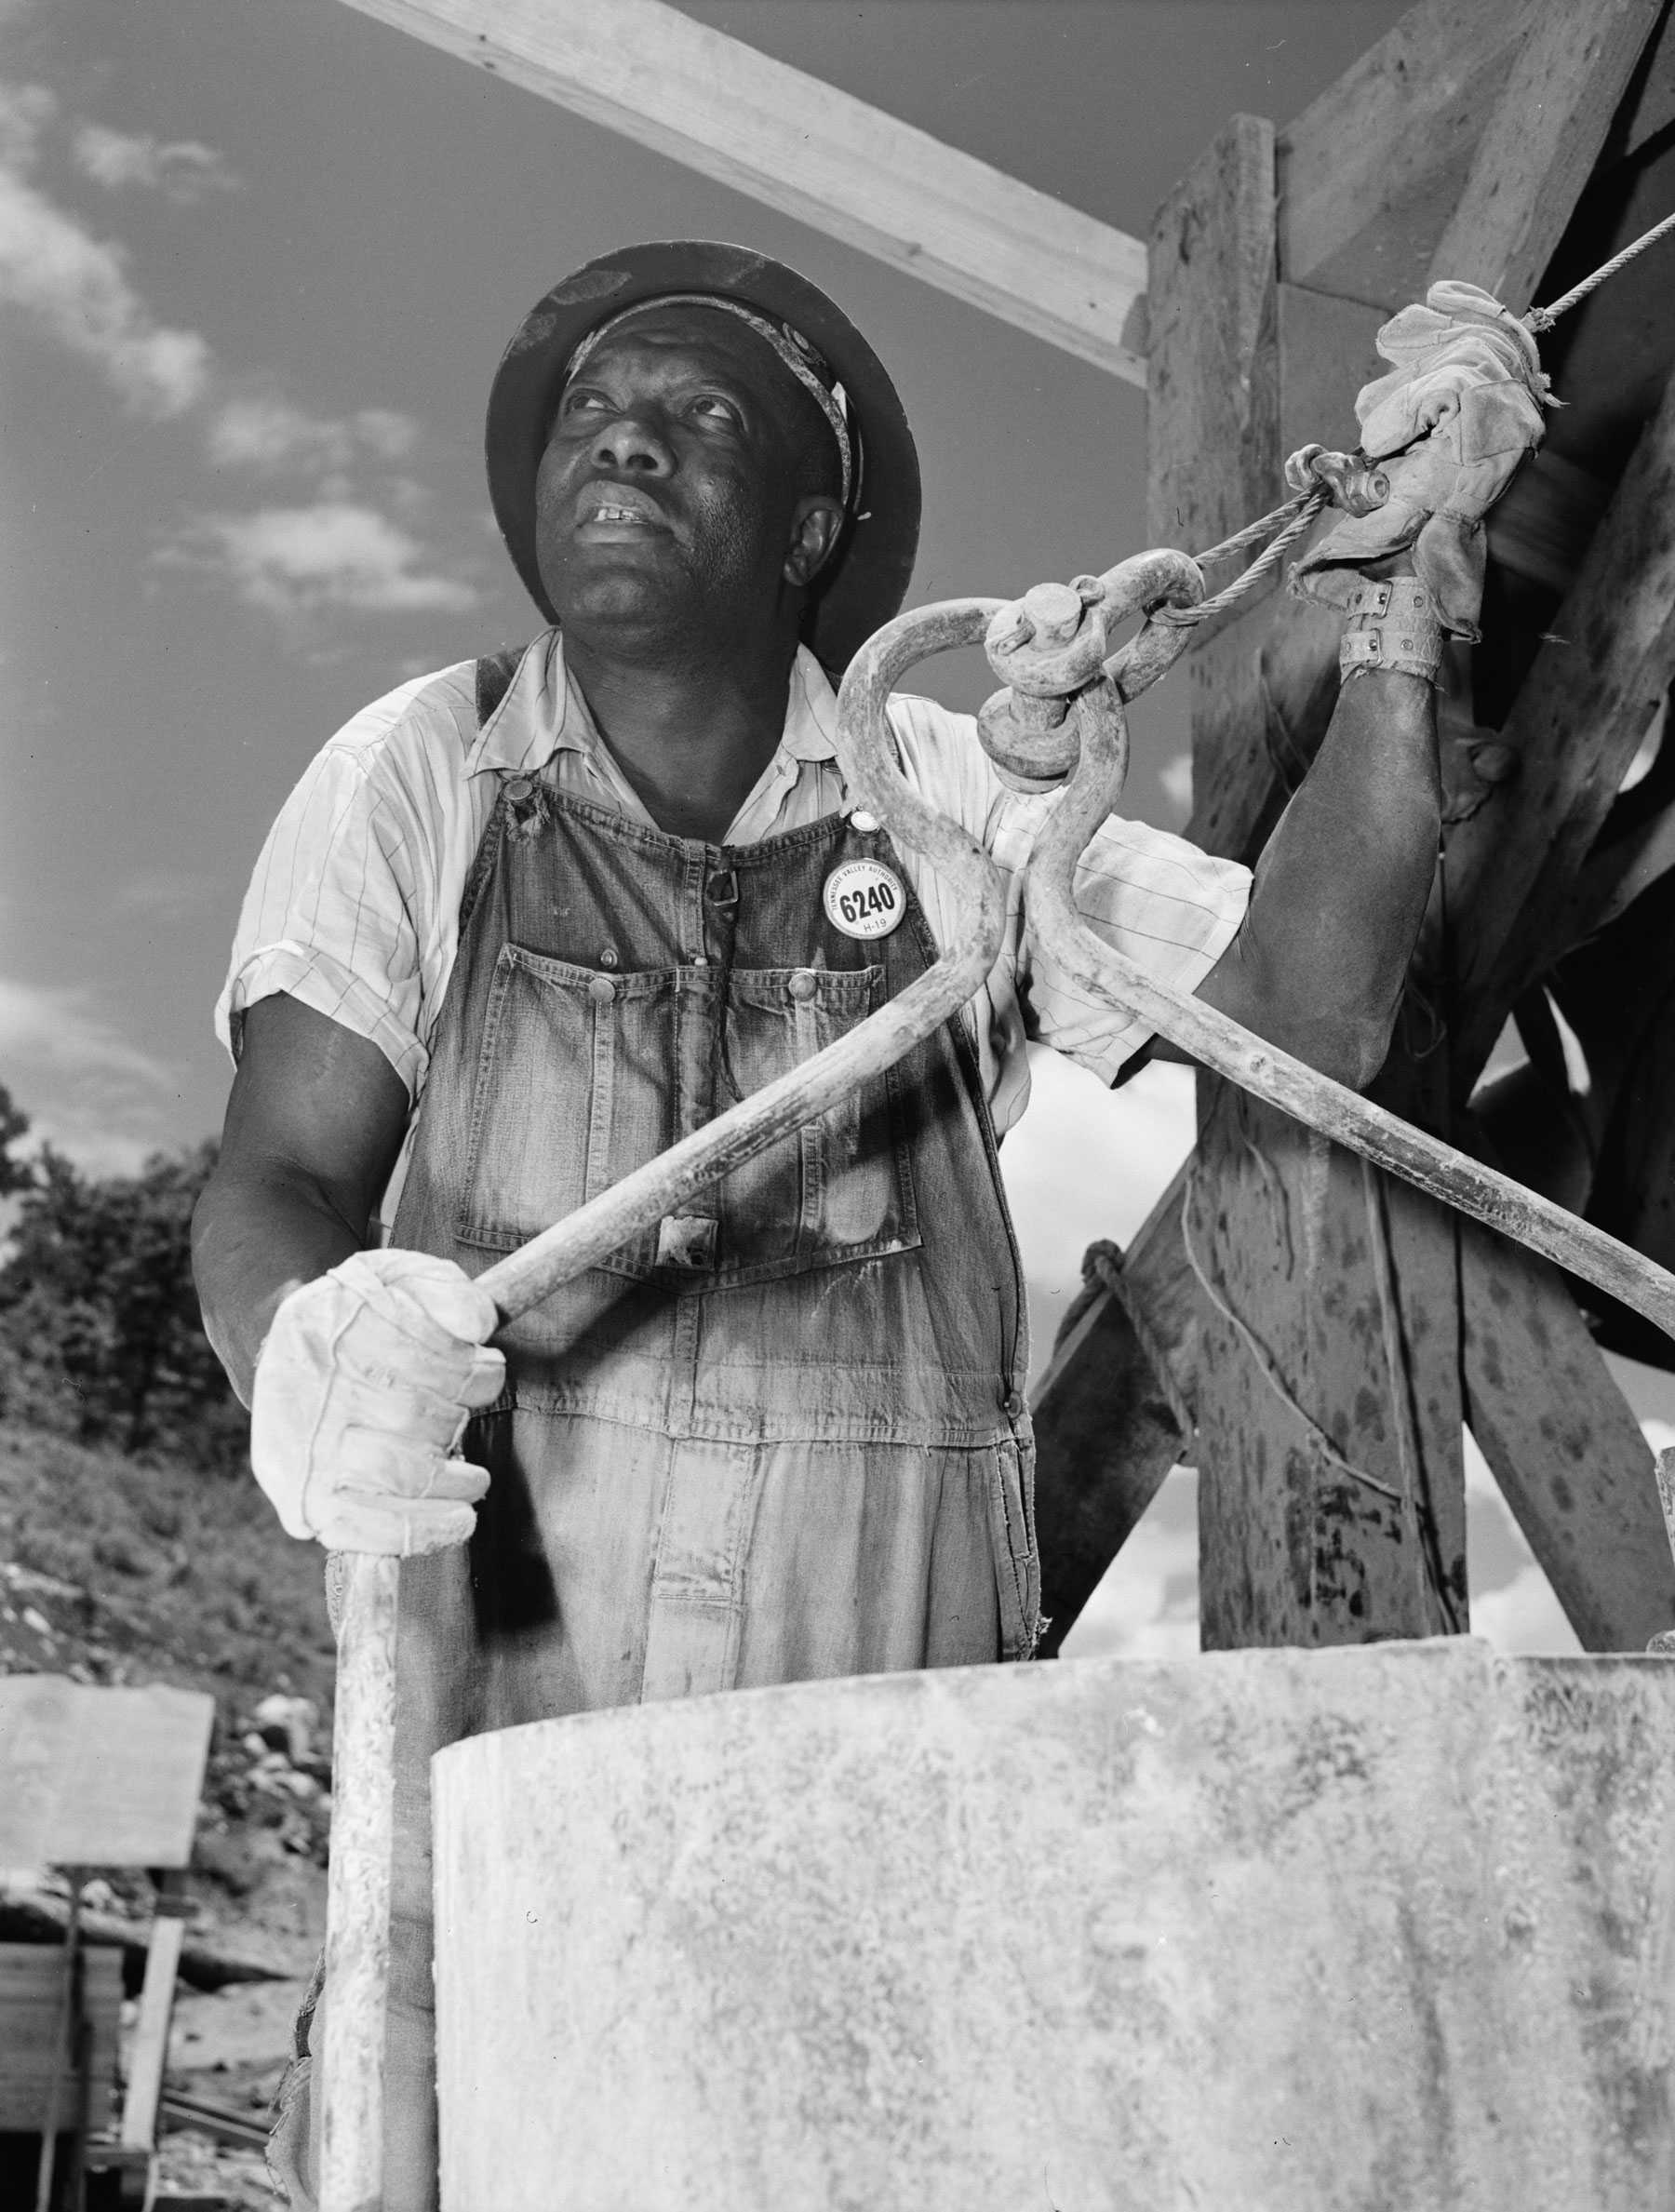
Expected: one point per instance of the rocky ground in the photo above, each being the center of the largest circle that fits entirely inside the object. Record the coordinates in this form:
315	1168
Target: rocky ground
112	1572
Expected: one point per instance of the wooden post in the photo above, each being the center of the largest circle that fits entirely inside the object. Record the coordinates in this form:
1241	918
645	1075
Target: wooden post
1330	1489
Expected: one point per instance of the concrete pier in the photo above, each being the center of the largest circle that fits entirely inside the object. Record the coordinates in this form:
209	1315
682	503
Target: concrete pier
1389	1929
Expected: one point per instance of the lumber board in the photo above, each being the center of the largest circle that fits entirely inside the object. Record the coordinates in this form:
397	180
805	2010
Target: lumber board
1562	86
1107	1426
1565	1449
1294	1549
1105	1437
99	1777
1598	678
1371	170
1543	523
1650	107
1212	385
812	150
148	2052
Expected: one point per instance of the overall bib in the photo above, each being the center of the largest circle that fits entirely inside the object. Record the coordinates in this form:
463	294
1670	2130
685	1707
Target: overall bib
778	1436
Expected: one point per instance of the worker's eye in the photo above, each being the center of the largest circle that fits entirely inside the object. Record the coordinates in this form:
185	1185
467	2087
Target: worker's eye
581	400
714	407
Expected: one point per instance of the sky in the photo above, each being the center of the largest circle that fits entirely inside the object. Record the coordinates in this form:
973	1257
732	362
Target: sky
257	259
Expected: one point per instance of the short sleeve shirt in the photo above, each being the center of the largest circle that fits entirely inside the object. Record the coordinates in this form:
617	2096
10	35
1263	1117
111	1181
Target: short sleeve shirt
354	905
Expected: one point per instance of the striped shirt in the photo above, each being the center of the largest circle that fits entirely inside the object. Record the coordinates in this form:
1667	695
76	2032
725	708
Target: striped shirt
354	907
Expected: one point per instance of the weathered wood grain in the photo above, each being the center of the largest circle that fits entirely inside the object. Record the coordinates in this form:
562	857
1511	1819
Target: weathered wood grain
1650	106
1567	1452
1212	382
32	2019
1560	88
1108	1427
148	2048
1370	171
1292	1548
1105	1437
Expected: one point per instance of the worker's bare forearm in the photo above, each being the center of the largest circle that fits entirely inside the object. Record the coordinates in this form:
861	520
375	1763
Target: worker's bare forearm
314	1126
257	1232
1341	887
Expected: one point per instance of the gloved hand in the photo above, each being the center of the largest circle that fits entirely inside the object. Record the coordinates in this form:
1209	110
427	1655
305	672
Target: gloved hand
362	1390
1449	426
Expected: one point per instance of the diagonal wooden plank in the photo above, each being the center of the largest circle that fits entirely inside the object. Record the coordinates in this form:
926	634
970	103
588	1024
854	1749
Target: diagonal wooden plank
1564	84
806	148
1563	1446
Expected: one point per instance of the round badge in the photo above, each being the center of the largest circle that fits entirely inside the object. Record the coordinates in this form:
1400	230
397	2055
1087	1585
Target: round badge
865	899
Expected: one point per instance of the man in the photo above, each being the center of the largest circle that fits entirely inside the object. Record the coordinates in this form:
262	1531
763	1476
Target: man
520	929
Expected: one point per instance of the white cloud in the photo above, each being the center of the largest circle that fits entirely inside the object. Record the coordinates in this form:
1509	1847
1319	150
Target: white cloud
339	550
1175	775
184	170
25	111
1146	1605
87	1089
334	556
1087	1162
58	1026
1523	1616
268	433
76	287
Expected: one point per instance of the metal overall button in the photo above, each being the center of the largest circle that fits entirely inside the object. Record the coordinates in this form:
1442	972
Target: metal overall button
519	787
803	984
601	990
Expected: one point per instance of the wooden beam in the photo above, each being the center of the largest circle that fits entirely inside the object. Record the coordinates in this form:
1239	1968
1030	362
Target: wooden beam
1356	1323
1597	681
1105	1437
148	2051
1368	172
1563	1446
1212	384
1111	1413
1553	111
1331	1475
1651	105
807	150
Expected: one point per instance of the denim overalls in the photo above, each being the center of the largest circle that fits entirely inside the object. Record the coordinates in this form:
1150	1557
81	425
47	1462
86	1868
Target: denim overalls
778	1436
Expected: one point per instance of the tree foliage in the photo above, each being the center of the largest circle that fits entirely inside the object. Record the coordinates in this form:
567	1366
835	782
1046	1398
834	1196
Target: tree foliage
15	1175
99	1333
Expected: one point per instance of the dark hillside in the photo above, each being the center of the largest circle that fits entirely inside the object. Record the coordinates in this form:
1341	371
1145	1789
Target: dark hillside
114	1570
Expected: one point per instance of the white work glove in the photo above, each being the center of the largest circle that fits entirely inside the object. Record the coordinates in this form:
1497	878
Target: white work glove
362	1391
1449	426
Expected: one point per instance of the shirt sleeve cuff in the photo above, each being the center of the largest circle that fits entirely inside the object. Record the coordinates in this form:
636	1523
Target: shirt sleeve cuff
329	988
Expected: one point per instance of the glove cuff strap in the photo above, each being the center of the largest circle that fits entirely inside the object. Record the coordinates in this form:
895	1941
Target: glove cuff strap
1394	626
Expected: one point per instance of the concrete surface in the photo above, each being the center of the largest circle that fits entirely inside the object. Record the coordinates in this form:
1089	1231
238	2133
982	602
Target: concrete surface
1388	1929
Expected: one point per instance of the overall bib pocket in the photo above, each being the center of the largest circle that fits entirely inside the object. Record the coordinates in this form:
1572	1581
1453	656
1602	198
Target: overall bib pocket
574	1089
841	1187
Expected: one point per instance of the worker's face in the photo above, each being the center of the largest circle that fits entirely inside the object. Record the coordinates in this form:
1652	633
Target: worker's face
672	499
